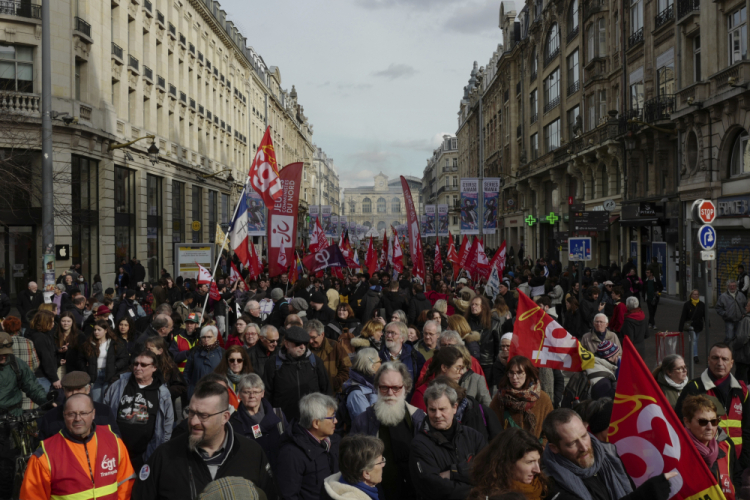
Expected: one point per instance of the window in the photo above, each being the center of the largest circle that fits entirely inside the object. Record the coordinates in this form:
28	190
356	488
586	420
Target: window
178	212
604	180
213	211
573	17
553	43
572	118
552	136
602	32
447	182
592	111
396	206
596	38
534	146
737	28
602	106
224	208
124	214
739	150
636	96
573	82
455	181
636	15
533	63
533	105
552	90
697	59
16	68
153	227
78	69
663	4
381	206
352	206
366	206
665	79
538	7
197	212
85	204
617	33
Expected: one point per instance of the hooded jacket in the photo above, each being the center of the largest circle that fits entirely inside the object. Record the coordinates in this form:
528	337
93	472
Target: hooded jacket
602	379
336	360
199	363
394	301
635	326
361	398
306	464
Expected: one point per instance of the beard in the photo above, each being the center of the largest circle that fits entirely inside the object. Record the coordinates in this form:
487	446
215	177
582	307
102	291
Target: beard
194	441
586	461
390	410
390	344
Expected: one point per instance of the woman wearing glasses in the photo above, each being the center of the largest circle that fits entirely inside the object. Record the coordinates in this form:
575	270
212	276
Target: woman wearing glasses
233	366
143	408
521	401
203	358
699	414
447	361
257	419
672	377
361	463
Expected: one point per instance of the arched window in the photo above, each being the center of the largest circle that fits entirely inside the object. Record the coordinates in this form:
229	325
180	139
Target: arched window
352	206
534	63
605	180
395	206
381	225
739	164
552	48
367	224
381	206
573	19
366	206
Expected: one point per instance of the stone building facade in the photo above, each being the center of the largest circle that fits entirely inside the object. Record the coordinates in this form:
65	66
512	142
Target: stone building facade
382	204
122	70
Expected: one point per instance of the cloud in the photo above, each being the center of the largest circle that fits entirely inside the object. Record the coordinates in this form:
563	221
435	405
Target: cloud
475	18
372	157
396	71
410	4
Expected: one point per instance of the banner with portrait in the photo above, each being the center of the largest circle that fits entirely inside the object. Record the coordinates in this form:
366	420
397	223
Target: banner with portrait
442	220
335	225
428	222
314	209
469	206
256	214
491	188
325	220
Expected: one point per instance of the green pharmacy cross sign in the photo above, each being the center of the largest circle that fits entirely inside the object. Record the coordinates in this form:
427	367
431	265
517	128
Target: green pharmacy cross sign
552	218
530	220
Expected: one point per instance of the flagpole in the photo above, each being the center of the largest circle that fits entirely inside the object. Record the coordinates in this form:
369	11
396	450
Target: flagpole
226	238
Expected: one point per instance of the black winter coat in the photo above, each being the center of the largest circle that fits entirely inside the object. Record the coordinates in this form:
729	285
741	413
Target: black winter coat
177	472
489	341
696	314
45	349
279	313
28	302
573	323
287	380
335	328
368	304
271	432
432	453
393	301
306	464
418	304
173	295
480	418
325	315
117	360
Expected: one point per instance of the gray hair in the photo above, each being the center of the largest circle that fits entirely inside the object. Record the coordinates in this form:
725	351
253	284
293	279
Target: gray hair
313	407
631	303
251	304
160	321
314	325
394	366
250	381
436	324
603	316
669	362
163	309
364	361
441	306
402	328
730	282
437	391
266	329
401	315
357	454
210	328
451	334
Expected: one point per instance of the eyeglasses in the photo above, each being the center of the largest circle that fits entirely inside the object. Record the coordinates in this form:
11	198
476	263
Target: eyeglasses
233	361
393	334
385	389
329	418
704	422
516	374
202	416
378	463
680	369
138	364
458	369
207	337
274	341
72	415
251	393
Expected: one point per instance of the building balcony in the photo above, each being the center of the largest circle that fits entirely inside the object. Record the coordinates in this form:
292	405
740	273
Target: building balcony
573	33
687	7
183	41
658	108
20	103
172	91
117	53
534	117
133	63
148	8
172	31
552	104
20	8
161	83
148	73
664	16
82	26
548	58
635	38
160	18
574	87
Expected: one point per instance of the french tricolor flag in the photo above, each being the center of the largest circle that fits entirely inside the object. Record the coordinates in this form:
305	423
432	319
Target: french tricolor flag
238	232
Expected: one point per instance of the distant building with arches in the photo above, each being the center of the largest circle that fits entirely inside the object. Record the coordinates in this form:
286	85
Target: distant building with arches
381	205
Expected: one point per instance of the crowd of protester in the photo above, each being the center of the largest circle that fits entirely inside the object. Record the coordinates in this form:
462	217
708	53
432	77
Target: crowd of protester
376	386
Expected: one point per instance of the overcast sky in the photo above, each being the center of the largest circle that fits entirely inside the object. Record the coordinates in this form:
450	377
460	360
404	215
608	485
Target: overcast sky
380	80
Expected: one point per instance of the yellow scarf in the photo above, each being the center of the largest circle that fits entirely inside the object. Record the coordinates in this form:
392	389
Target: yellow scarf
695	301
533	491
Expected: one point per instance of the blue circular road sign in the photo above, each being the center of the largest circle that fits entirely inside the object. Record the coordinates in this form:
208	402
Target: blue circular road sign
707	237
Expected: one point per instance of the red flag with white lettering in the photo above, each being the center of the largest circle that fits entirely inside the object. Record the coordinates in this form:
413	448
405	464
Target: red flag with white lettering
415	244
498	260
204	275
384	252
651	440
264	174
371	259
398	255
282	219
547	344
318	239
234	274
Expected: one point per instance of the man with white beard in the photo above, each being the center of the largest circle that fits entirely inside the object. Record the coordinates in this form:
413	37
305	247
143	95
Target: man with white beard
396	423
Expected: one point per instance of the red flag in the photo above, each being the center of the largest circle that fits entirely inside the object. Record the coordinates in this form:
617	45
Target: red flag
649	437
256	265
234	274
318	239
282	218
463	253
398	257
384	252
371	259
415	245
547	344
452	255
438	264
498	260
204	275
470	262
328	257
481	263
264	174
213	291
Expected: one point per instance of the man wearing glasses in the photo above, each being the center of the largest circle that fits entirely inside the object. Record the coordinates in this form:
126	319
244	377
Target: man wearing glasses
294	372
82	453
264	349
143	408
182	467
395	349
395	422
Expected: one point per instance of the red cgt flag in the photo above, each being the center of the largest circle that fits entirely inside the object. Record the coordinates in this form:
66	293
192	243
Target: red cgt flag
371	259
547	344
649	437
264	174
398	257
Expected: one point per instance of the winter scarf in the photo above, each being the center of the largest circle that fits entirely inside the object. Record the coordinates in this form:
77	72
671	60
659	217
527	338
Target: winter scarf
709	453
533	491
234	377
370	491
678	387
209	348
522	400
570	476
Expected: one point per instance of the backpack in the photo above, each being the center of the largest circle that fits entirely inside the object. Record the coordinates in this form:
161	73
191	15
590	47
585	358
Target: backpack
576	391
343	417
